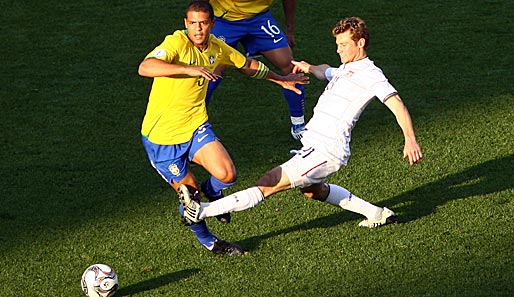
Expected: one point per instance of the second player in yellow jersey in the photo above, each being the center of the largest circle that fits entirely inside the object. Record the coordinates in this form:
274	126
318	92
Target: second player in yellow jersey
238	10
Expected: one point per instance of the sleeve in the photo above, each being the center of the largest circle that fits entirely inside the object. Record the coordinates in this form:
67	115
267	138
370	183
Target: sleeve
230	56
381	86
166	51
329	73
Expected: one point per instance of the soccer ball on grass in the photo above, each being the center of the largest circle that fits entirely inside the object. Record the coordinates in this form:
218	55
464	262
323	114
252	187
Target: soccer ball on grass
99	280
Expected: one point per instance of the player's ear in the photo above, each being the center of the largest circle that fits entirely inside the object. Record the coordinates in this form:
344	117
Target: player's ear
361	43
185	23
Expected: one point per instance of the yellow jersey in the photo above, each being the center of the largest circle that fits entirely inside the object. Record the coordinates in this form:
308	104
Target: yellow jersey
239	9
176	106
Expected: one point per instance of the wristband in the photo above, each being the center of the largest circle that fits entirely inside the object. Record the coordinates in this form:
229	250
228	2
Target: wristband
262	71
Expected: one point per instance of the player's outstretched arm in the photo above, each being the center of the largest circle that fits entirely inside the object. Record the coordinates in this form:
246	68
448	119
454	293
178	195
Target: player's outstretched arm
258	70
411	149
317	70
152	67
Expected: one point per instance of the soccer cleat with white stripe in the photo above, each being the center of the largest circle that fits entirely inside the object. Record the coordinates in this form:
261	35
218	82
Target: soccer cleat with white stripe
297	131
387	217
191	207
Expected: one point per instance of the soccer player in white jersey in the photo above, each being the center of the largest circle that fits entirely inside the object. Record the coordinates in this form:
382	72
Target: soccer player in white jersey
326	142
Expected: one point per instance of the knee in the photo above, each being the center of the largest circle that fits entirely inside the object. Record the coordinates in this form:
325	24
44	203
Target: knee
286	69
309	195
317	192
228	176
313	195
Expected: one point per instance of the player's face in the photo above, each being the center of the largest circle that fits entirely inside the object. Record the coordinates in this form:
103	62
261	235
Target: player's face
348	49
198	27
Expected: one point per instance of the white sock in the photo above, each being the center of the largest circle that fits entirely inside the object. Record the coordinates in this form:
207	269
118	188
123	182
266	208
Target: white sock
297	120
235	202
341	197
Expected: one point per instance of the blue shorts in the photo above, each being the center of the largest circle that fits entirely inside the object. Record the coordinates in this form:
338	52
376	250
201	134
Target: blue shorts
170	161
257	34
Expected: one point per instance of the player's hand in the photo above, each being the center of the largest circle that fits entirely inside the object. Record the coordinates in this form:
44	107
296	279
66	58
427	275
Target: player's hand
300	78
202	71
289	81
301	66
412	151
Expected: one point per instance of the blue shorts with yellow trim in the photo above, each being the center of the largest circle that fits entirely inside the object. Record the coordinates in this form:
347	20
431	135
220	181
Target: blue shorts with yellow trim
170	161
257	34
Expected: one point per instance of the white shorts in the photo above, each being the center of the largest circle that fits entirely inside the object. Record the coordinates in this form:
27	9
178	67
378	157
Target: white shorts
309	167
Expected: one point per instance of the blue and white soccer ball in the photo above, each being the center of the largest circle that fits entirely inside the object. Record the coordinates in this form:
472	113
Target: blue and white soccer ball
99	280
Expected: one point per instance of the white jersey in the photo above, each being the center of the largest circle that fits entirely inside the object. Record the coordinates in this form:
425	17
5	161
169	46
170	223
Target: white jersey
350	89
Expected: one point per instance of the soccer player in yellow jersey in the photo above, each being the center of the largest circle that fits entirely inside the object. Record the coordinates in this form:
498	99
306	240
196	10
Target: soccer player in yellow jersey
251	23
175	128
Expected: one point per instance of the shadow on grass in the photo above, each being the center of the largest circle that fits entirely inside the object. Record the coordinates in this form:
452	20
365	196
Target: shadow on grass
157	282
323	222
486	178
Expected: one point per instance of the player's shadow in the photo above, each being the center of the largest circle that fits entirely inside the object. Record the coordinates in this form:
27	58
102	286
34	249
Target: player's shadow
486	178
154	283
323	222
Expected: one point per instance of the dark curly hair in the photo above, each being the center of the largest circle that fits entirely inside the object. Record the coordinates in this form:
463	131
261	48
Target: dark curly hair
356	26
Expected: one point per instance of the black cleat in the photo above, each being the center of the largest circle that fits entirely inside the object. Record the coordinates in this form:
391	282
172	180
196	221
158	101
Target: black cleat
222	247
223	218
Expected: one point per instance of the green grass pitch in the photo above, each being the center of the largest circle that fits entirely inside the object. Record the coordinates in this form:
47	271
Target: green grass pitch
76	188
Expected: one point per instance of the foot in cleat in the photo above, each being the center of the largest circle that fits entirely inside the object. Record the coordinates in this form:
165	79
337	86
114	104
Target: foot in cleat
386	217
224	218
222	247
191	206
297	131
